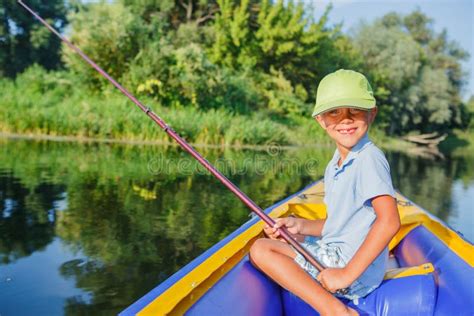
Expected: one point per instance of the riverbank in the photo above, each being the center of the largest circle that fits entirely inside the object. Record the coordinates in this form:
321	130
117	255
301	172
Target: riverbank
459	143
381	140
52	111
89	140
50	103
49	106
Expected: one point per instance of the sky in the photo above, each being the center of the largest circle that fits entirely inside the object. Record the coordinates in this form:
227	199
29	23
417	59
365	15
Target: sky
456	16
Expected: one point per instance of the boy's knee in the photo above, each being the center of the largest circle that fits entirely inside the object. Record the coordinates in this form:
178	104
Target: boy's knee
258	250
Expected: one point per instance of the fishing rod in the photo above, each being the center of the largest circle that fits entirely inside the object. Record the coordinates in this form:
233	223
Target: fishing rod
186	146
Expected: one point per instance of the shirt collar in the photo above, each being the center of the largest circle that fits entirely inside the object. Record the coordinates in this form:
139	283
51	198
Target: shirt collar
361	144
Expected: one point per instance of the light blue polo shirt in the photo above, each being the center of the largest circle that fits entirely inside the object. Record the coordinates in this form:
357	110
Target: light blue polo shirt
349	189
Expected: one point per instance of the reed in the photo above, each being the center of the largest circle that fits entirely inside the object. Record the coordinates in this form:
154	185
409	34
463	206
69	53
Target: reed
38	102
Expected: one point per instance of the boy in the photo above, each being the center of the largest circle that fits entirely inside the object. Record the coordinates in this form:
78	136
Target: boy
362	214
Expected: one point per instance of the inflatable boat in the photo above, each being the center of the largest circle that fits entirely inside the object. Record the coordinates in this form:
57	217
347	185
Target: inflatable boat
430	271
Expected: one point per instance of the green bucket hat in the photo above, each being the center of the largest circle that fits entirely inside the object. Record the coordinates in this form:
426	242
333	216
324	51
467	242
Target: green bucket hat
344	88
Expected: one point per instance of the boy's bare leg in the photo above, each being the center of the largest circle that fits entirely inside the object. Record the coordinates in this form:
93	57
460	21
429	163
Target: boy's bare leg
276	259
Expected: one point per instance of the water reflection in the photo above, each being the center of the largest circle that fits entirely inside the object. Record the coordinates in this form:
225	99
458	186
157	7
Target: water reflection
127	217
26	225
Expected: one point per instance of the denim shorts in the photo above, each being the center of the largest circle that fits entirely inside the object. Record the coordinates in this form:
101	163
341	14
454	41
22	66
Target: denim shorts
330	256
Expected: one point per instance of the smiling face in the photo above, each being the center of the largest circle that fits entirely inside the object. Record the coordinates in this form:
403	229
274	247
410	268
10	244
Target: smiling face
346	126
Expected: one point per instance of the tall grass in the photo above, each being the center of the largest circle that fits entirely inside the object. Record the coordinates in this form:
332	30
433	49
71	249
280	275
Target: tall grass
51	103
38	102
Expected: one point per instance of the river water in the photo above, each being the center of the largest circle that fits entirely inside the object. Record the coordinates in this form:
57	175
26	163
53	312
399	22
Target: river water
90	228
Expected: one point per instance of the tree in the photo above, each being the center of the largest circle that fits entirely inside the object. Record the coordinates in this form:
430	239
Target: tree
282	41
175	12
24	41
109	34
416	73
470	113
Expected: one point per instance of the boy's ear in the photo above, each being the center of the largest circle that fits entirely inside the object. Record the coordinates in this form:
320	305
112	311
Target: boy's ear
372	114
321	122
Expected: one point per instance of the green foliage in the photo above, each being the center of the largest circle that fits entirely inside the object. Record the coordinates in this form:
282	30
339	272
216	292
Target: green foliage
23	41
264	132
49	103
280	39
241	59
108	35
281	97
287	51
469	116
174	12
185	77
416	73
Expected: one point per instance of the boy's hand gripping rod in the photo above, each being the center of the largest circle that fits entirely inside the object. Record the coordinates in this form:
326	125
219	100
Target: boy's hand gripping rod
232	187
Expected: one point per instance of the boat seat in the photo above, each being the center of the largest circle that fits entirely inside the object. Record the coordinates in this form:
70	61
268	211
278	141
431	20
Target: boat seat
404	291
